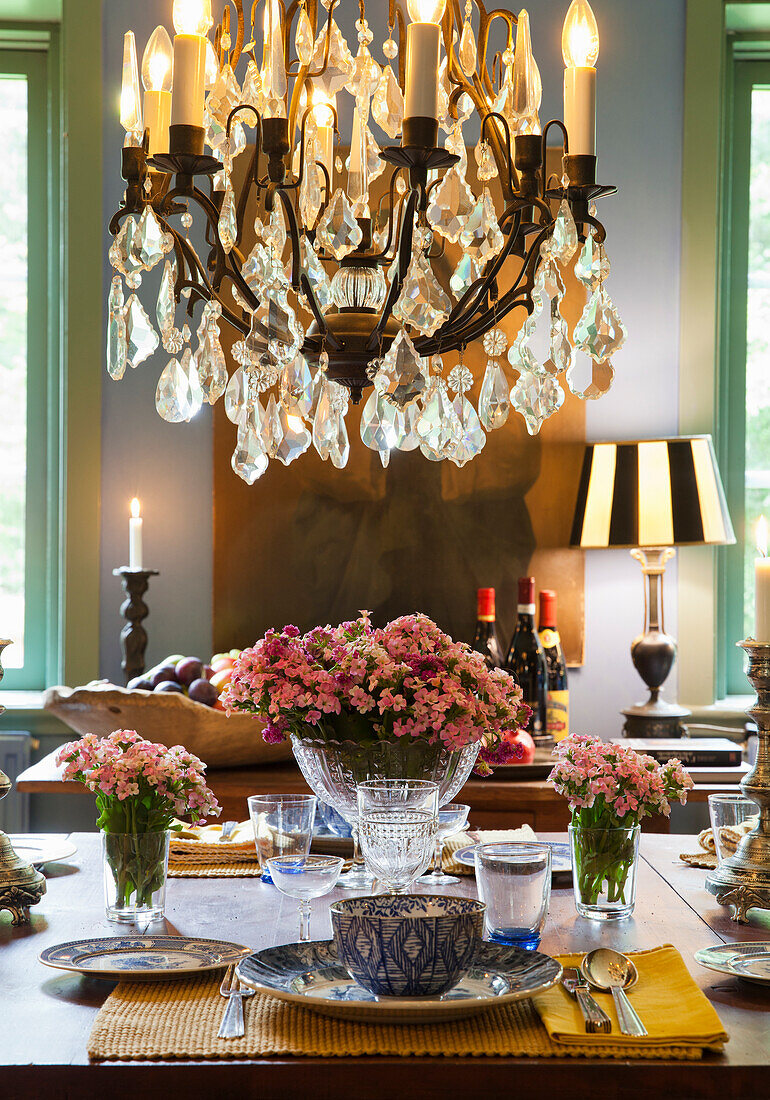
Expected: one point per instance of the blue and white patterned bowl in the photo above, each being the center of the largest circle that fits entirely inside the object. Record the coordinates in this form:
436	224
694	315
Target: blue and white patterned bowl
404	946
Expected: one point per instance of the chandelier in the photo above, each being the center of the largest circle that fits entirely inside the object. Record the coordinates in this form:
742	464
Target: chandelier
338	300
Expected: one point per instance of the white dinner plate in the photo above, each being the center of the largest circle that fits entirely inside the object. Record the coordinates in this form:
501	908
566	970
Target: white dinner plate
743	960
40	848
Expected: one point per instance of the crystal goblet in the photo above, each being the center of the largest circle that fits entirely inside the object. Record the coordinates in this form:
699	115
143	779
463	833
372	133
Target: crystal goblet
305	877
397	824
451	819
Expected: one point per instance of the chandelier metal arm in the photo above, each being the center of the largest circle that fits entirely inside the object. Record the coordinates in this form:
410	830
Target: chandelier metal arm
291	222
485	24
404	255
393	213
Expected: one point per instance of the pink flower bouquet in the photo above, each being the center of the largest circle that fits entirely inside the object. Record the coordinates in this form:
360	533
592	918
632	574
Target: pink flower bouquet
140	786
361	683
610	790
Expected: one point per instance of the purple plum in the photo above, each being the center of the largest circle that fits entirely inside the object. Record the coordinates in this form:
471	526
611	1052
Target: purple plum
188	670
203	692
144	682
169	685
164	673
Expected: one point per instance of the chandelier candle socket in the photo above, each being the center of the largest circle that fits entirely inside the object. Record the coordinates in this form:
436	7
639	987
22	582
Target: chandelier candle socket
335	289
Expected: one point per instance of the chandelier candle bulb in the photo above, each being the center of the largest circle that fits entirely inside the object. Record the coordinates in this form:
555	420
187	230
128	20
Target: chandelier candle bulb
423	39
324	133
192	19
157	64
762	584
580	50
135	537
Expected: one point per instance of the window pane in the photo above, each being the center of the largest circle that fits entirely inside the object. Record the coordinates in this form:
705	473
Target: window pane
13	363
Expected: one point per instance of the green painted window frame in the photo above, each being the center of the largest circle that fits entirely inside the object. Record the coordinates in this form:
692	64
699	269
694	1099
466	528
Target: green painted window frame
77	319
38	63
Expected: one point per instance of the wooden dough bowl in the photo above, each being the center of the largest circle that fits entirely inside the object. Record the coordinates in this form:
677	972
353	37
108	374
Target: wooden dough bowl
172	719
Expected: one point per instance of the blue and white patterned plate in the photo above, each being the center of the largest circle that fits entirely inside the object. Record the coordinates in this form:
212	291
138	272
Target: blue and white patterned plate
142	957
310	974
561	862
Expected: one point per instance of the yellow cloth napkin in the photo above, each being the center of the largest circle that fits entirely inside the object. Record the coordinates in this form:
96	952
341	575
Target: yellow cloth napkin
671	1006
201	844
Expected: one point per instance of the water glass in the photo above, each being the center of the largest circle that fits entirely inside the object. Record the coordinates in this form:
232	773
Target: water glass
397	820
283	826
727	812
305	877
451	819
515	882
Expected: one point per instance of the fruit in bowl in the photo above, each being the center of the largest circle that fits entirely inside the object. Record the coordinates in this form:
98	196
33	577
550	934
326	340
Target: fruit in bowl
180	675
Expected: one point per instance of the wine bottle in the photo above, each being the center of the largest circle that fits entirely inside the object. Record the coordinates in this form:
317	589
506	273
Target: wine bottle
486	639
557	692
526	660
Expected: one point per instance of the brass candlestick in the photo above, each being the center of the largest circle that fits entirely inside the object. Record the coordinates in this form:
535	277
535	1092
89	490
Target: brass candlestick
133	636
20	884
743	880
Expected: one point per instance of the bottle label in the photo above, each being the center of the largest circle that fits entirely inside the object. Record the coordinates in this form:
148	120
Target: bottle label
485	618
557	714
525	608
550	638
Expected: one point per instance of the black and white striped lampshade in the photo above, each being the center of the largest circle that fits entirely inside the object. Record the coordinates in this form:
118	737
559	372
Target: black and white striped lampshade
654	492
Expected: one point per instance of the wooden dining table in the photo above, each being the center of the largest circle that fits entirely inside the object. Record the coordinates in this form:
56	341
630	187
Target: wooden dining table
47	1015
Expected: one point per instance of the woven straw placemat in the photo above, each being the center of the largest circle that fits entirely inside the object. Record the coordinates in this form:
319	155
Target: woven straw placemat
160	1021
186	869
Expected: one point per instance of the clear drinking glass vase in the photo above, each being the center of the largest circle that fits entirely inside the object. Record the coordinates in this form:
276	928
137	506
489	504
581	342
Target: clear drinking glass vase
604	864
135	869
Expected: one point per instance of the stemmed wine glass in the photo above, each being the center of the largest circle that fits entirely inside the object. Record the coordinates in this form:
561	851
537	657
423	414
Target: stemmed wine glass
305	877
451	819
397	820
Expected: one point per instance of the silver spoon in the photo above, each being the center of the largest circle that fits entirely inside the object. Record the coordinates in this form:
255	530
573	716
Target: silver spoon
610	971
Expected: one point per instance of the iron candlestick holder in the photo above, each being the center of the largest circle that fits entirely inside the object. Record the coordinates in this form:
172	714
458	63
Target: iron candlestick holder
743	880
133	636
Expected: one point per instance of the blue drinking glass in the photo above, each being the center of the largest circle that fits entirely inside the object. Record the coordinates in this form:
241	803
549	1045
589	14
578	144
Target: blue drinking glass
514	879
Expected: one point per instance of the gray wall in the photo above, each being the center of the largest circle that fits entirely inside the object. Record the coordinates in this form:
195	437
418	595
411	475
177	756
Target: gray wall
640	91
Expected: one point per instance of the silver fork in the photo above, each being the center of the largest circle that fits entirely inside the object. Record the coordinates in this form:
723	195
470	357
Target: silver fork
232	1026
596	1019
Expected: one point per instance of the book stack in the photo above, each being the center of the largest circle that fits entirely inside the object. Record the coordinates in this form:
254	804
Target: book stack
707	759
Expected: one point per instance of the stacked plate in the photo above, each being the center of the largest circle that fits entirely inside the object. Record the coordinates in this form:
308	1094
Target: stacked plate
750	961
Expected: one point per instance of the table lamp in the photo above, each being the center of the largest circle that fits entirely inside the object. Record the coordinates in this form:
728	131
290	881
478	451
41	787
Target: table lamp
650	496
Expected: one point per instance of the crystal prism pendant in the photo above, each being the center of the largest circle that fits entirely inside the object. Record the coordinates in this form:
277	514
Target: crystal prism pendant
467	52
472	439
408	438
451	203
295	438
588	379
228	220
122	255
317	276
527	84
380	424
402	372
564	240
174	398
194	390
340	450
334	68
520	354
536	397
164	310
592	266
303	38
117	346
237	395
338	231
325	427
388	104
481	235
423	302
485	161
212	368
151	242
296	385
141	337
272	429
438	427
252	91
494	398
464	276
600	331
249	460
